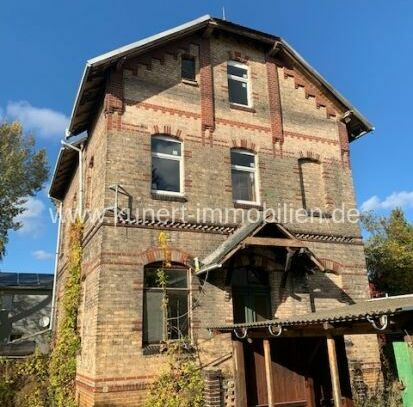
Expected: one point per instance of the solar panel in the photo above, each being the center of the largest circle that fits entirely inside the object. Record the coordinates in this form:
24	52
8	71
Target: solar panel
25	279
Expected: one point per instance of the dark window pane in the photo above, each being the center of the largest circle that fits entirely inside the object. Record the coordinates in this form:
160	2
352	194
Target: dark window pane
243	186
152	316
165	146
188	68
245	160
165	174
238	92
175	278
241	72
177	314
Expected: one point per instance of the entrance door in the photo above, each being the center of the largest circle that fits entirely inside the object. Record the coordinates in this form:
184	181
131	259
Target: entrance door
300	370
250	295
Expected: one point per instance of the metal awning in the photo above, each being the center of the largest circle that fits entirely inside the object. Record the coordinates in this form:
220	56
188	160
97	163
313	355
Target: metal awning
387	315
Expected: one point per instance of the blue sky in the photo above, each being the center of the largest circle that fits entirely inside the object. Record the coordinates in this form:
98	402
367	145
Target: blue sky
363	48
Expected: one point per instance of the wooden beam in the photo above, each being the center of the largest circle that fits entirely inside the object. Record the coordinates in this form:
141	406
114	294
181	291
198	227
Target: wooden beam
273	241
335	378
239	374
268	371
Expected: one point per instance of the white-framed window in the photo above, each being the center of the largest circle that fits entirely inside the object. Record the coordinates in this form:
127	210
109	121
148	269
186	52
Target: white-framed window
244	176
167	165
238	83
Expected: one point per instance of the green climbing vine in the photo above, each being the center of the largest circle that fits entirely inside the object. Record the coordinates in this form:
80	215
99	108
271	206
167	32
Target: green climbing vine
48	380
24	382
62	371
181	384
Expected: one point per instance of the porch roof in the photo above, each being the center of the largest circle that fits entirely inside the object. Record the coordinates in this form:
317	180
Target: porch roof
247	235
369	311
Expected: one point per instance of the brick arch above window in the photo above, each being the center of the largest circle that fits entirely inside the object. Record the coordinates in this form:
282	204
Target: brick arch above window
156	254
166	130
244	144
310	156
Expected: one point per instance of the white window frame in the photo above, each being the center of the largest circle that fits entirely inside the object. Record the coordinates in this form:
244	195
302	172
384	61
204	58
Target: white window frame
239	79
250	170
170	157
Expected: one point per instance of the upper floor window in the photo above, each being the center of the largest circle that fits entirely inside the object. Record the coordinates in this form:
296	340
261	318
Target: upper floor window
188	67
160	324
238	83
244	176
166	165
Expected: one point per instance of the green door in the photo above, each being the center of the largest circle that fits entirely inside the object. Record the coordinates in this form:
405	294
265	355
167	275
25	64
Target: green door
403	354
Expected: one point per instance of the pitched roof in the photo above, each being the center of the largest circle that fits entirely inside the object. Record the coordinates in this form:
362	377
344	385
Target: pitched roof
361	311
94	73
93	79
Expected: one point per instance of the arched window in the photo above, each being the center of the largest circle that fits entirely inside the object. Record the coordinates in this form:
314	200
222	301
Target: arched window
172	322
167	165
244	176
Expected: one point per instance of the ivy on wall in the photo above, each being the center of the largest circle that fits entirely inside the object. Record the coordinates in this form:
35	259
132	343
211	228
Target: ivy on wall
62	369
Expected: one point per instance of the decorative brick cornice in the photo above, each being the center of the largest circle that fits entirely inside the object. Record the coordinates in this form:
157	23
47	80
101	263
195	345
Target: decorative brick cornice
312	91
328	238
178	225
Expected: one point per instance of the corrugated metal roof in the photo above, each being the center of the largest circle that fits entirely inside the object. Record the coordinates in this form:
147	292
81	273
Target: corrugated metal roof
355	312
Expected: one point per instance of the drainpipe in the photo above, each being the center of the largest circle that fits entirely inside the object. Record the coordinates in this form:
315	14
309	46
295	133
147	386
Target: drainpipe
59	227
80	151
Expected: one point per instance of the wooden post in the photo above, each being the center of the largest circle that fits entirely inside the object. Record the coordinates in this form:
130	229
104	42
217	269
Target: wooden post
239	374
335	378
268	371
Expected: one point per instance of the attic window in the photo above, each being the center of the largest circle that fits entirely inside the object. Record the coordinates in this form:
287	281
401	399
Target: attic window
188	67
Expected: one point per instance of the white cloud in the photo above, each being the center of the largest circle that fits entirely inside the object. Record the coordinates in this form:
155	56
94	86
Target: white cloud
403	199
42	255
43	121
31	218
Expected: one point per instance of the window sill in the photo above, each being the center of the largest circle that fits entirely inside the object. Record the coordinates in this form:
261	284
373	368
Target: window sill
167	197
190	82
248	205
243	108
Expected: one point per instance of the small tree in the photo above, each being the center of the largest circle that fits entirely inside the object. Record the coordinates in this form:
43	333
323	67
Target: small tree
389	252
23	170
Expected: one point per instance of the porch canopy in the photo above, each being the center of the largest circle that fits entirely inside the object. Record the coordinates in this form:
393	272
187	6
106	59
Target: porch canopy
380	315
263	232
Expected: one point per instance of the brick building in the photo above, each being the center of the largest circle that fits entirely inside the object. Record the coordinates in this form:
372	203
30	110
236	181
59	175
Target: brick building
206	115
